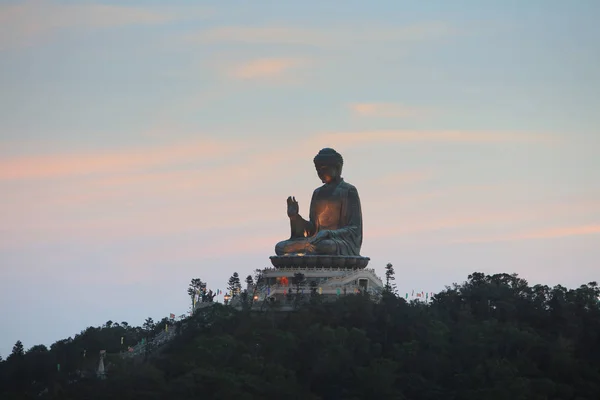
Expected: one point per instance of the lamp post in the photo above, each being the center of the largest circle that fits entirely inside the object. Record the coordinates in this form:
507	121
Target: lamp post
226	298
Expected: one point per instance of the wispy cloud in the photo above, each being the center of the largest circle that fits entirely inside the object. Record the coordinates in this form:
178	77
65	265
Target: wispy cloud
133	159
258	35
118	160
154	191
141	263
330	36
26	22
176	252
385	110
550	233
403	178
140	192
140	158
473	209
264	68
402	136
136	212
429	224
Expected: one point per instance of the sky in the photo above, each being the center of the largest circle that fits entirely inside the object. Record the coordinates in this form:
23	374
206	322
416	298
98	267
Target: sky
146	143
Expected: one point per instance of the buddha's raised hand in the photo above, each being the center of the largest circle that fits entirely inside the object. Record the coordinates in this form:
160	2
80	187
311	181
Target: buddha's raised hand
292	207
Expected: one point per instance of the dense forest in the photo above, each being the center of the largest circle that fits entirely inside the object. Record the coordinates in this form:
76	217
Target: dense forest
492	337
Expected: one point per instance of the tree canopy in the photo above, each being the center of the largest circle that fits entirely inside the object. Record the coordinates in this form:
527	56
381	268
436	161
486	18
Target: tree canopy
492	337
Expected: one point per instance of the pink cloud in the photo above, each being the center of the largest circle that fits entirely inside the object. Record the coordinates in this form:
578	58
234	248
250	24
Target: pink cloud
133	159
422	225
118	222
258	35
330	36
186	252
426	212
115	195
385	110
123	206
403	136
550	233
403	178
155	263
241	242
264	68
137	159
29	21
118	195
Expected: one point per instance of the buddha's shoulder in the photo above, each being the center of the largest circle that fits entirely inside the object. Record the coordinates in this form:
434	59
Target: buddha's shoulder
348	186
343	185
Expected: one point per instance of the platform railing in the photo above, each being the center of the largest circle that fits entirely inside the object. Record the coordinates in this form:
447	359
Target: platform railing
337	269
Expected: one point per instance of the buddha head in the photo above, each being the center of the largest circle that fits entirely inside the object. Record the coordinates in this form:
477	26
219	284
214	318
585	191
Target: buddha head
328	164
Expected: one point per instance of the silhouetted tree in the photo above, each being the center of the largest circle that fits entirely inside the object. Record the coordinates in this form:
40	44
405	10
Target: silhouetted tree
234	285
148	325
196	289
250	285
390	286
258	277
208	296
298	280
17	350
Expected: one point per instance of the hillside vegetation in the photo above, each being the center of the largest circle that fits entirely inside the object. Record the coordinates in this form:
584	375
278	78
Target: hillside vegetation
492	337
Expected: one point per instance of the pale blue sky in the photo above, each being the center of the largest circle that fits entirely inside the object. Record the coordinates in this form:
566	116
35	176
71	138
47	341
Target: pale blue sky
139	138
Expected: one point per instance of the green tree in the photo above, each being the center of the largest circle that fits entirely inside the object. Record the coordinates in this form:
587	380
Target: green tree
208	296
258	277
390	286
248	298
17	350
234	285
148	325
297	280
196	288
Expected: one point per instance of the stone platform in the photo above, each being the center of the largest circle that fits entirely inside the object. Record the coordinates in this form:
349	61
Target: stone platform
317	261
327	282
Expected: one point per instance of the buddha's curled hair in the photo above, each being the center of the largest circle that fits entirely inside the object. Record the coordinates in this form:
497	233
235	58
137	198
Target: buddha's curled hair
329	156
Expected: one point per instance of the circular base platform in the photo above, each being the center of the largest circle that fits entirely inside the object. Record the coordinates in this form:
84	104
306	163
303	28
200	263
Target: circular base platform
314	261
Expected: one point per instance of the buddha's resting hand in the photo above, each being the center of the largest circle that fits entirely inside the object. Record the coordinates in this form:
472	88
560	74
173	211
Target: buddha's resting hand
310	248
322	235
292	207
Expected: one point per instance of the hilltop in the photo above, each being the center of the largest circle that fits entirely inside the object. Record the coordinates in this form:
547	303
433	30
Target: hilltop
492	337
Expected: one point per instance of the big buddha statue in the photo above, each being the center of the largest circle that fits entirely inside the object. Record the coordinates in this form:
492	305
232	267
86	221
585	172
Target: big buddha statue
334	224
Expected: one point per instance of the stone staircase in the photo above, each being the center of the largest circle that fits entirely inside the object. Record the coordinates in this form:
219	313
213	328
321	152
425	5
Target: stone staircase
160	339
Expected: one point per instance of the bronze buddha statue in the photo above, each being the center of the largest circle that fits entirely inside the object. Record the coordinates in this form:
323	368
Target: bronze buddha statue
334	226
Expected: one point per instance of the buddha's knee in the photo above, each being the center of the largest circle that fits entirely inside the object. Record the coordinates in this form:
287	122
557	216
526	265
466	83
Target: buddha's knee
327	247
280	248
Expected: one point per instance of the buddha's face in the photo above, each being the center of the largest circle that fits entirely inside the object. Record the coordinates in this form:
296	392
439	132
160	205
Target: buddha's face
327	173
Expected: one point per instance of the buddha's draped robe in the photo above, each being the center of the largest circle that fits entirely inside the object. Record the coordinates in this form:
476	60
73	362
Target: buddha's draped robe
333	207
